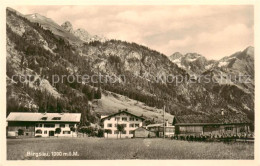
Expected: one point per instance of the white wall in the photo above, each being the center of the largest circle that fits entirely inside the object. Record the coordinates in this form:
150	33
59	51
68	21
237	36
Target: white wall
113	121
45	131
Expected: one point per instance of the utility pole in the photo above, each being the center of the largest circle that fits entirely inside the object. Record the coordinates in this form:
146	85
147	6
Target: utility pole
163	122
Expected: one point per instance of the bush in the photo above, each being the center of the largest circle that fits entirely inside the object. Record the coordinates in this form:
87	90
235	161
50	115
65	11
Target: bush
57	130
72	129
100	133
20	132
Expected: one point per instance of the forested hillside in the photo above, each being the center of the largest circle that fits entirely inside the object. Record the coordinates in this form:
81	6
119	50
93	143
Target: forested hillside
40	53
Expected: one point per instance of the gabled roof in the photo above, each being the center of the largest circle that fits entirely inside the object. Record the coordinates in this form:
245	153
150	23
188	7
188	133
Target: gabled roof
216	119
141	128
120	112
155	125
43	117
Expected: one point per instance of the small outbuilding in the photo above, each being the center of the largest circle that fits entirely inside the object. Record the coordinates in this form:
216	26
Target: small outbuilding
142	132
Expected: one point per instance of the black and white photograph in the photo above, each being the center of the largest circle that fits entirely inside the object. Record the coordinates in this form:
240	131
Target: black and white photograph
129	82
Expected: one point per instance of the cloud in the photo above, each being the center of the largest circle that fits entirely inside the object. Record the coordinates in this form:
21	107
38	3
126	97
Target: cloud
213	31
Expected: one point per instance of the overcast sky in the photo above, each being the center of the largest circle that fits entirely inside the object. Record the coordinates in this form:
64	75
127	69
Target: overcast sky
213	31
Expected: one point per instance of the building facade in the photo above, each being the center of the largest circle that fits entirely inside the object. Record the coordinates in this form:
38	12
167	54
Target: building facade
159	129
27	124
223	126
213	129
130	122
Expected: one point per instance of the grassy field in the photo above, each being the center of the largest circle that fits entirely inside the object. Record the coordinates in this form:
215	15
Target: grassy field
101	148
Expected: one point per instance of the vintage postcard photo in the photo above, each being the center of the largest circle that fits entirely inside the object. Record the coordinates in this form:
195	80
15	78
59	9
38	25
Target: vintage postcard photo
129	82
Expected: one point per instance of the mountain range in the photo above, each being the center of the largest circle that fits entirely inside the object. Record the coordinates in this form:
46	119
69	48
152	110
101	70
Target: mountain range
39	47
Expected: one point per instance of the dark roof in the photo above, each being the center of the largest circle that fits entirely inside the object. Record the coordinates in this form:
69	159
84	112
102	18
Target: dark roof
210	119
120	112
155	125
141	128
43	117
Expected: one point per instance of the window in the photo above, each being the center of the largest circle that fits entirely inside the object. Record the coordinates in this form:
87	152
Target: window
109	125
228	128
45	132
109	131
132	125
27	134
56	118
132	119
170	130
38	125
71	125
124	125
108	118
66	132
136	125
136	119
117	118
44	118
38	132
116	132
124	118
49	125
242	129
131	132
62	125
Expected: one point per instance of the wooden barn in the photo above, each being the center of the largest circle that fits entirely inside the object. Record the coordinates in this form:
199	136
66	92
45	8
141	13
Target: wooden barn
196	125
142	132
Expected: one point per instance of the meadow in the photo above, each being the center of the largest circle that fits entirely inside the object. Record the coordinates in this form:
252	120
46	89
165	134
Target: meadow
103	149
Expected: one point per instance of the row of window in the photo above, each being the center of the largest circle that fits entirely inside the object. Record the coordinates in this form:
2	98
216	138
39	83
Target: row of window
125	125
125	119
123	132
200	128
51	125
228	128
46	132
54	118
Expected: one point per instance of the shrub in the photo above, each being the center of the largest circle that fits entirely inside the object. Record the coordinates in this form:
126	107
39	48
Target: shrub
20	132
72	129
57	130
100	133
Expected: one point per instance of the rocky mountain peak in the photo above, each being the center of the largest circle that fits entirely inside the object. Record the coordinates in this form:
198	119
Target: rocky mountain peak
192	55
36	17
67	26
175	55
81	32
249	51
139	64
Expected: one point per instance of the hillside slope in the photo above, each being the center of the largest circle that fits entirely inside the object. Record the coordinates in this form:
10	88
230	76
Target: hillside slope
36	48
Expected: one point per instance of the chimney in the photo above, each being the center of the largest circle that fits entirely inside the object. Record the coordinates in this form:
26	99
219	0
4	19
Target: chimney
166	123
222	112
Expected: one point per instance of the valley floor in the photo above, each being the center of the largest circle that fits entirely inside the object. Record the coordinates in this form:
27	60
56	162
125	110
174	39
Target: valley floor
102	148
